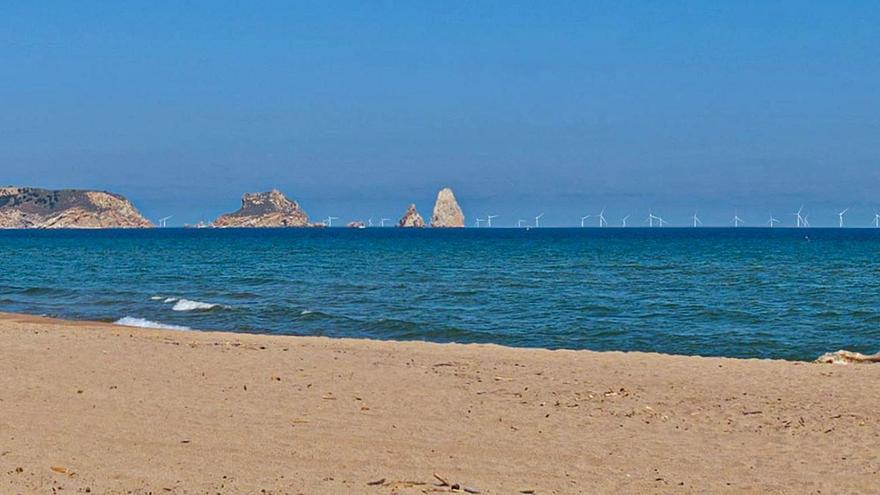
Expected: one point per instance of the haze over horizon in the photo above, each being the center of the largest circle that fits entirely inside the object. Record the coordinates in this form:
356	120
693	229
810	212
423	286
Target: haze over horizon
356	110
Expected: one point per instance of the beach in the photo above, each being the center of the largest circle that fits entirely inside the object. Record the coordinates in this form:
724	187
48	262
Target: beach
98	408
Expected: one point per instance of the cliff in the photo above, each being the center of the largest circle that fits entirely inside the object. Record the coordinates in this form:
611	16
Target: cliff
411	218
27	207
447	213
267	209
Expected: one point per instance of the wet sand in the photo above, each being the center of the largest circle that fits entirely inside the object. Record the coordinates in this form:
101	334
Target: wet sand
99	408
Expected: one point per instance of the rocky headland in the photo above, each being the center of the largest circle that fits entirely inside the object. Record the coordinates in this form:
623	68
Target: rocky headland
34	208
266	209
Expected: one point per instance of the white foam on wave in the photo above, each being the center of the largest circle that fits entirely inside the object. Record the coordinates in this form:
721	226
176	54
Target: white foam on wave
170	300
156	298
131	321
306	312
187	305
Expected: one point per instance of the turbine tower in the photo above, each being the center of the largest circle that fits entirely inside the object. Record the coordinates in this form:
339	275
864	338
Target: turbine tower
800	219
772	221
623	224
737	221
697	221
840	217
163	222
382	221
538	219
489	220
602	222
330	221
876	220
477	222
583	219
652	217
520	222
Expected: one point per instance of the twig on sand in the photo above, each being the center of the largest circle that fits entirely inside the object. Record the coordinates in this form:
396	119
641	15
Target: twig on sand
395	484
454	486
750	413
442	481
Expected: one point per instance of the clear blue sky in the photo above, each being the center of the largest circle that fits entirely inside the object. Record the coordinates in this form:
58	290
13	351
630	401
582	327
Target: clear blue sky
358	108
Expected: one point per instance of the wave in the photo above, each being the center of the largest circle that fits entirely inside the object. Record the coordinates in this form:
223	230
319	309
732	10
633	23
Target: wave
170	300
131	321
187	305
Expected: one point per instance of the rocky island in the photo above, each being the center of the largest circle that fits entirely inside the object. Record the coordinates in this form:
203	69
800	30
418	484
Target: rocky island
34	208
447	213
265	209
411	219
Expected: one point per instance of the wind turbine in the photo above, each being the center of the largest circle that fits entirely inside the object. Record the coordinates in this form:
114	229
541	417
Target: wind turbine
840	217
697	221
477	222
772	221
876	220
652	217
737	221
489	220
370	222
806	220
800	220
661	221
330	221
602	222
163	221
520	222
583	219
538	219
382	221
623	224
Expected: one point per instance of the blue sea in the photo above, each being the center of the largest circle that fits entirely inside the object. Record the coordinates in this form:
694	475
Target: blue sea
780	293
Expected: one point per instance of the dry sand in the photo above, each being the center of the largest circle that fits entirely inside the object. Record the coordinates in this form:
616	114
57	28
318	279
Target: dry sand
108	409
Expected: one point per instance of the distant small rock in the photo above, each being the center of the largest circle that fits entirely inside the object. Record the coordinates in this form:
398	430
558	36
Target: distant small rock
411	219
266	209
447	213
34	208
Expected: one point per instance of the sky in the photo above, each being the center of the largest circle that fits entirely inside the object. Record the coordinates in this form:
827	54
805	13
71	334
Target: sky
356	109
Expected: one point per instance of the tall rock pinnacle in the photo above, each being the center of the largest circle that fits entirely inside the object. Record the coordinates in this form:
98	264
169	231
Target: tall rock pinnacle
447	213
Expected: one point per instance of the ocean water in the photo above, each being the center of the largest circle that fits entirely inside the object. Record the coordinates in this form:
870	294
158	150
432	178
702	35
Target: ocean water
781	293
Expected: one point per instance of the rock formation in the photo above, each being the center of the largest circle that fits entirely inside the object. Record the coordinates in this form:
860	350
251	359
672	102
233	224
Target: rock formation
447	213
27	207
411	218
268	209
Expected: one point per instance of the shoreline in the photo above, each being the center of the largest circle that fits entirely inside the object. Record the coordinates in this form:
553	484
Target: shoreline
112	409
146	324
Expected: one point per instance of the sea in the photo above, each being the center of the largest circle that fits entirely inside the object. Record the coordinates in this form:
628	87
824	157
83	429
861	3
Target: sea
740	292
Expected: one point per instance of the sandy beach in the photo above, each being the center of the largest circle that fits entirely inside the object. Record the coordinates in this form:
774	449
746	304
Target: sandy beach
97	408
